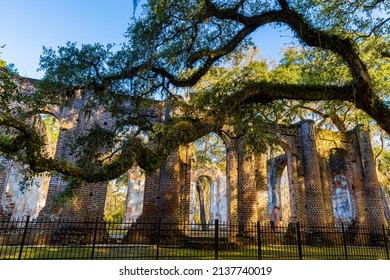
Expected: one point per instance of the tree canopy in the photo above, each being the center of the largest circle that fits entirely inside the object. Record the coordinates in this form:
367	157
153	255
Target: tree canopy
201	50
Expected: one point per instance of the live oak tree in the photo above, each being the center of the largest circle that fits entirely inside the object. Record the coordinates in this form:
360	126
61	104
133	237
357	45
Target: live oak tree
181	48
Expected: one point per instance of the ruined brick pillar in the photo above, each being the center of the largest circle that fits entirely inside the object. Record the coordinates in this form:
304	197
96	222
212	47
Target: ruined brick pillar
3	178
56	184
358	189
291	142
169	189
247	193
231	179
185	183
151	198
375	212
296	194
386	204
313	186
327	189
89	200
260	166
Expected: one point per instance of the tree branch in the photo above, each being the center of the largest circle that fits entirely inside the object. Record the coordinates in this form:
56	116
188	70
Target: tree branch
266	92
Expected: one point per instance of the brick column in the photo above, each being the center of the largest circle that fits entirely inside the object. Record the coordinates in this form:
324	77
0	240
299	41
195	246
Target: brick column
326	178
313	187
260	166
3	178
375	212
92	199
295	190
151	198
231	180
185	183
247	194
56	184
358	184
169	189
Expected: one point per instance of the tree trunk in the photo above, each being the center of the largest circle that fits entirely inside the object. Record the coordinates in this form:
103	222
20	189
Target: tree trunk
202	210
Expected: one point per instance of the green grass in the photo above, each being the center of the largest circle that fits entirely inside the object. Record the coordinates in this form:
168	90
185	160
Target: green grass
145	252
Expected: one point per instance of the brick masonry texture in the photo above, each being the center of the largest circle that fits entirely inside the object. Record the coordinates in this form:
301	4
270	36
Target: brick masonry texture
311	159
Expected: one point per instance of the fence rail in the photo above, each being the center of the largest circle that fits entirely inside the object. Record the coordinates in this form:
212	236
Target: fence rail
96	239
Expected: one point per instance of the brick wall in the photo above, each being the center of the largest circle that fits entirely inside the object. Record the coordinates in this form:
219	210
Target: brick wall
310	169
3	177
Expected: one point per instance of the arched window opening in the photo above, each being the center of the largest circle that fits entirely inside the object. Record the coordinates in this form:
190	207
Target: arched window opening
278	183
25	193
124	200
202	201
208	181
124	197
285	197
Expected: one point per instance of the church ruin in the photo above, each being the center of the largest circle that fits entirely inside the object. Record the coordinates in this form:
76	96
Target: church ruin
321	177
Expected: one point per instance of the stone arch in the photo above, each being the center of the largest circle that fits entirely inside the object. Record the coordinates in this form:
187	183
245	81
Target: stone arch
303	168
89	200
217	196
247	177
277	183
281	170
214	169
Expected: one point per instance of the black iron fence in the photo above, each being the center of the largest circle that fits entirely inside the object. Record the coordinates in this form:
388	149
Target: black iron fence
39	239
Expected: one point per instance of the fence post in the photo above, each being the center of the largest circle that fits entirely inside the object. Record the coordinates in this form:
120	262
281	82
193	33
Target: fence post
344	241
299	241
158	238
23	238
385	239
94	237
216	239
259	253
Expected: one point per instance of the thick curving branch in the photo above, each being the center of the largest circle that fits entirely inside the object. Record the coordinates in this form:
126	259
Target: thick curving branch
266	92
310	35
134	150
178	131
306	32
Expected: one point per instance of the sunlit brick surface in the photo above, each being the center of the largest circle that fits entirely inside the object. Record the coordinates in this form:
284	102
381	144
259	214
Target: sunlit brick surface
319	191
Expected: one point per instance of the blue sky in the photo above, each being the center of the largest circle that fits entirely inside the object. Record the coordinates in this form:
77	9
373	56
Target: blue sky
28	25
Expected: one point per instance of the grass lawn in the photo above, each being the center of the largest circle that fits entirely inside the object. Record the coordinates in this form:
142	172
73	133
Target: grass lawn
144	252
